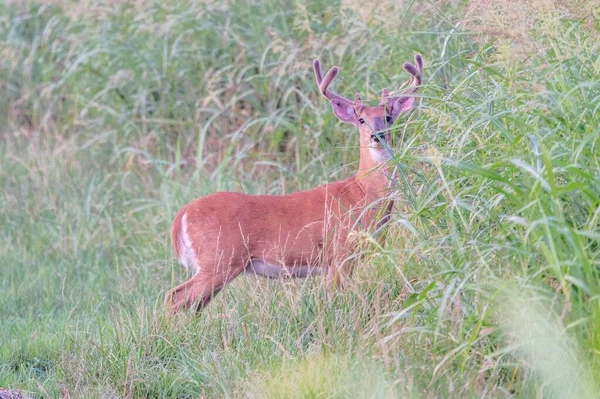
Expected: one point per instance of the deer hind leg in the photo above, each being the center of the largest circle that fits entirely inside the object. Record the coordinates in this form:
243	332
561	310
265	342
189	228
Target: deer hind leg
199	290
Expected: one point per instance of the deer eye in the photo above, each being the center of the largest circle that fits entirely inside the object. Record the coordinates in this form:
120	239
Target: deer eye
361	120
388	119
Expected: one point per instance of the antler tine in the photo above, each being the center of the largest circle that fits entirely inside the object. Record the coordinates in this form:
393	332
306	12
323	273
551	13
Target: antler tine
317	70
329	76
324	83
419	62
416	73
384	95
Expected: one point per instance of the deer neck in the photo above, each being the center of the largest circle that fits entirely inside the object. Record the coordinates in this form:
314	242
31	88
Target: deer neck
374	175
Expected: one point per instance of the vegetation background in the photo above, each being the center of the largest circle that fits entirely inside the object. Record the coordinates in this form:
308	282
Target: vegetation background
113	114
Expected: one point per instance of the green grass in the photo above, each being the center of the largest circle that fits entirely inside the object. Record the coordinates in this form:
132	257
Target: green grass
115	114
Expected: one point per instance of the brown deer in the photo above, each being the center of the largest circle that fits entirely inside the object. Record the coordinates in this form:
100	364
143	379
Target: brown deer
305	233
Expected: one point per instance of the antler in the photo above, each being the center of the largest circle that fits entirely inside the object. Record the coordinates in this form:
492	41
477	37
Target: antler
324	83
416	72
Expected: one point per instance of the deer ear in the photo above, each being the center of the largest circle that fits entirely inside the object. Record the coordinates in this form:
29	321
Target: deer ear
402	105
343	111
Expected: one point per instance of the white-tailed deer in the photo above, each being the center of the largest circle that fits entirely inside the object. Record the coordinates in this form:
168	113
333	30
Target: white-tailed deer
225	234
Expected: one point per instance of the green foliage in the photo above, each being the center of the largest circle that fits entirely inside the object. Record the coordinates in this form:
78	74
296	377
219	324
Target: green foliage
115	114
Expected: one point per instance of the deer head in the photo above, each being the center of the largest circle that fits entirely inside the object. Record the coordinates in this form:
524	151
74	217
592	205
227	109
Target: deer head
372	122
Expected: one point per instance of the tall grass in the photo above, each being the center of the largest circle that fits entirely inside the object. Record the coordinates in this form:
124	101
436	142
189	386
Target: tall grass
115	114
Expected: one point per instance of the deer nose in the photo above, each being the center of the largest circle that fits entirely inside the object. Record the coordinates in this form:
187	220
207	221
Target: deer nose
378	137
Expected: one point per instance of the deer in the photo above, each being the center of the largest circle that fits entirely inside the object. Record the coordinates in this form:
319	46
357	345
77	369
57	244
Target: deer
307	233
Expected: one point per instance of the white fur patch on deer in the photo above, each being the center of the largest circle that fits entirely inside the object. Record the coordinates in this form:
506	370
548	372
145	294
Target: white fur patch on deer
379	155
264	269
186	253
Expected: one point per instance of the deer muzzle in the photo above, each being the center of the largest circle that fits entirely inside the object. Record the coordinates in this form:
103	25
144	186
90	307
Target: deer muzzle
378	137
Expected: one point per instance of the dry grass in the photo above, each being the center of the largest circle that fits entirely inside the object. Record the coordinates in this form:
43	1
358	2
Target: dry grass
516	25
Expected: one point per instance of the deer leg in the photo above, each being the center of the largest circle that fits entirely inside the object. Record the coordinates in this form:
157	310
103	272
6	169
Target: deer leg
340	272
198	290
339	256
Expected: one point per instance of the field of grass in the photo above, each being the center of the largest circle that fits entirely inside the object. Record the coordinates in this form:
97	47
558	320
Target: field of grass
113	114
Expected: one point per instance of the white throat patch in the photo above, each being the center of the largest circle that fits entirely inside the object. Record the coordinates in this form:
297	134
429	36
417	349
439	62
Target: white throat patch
378	153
